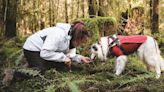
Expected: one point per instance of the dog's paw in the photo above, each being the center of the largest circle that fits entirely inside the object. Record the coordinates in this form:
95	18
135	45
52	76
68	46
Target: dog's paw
117	73
157	76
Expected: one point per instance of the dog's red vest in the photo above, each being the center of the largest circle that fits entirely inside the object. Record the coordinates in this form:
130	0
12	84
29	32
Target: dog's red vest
129	44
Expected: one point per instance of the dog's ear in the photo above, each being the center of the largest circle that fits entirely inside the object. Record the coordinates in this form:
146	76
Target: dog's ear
94	47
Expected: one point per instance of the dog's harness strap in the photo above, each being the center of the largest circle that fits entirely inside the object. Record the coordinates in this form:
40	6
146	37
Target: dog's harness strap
116	42
120	46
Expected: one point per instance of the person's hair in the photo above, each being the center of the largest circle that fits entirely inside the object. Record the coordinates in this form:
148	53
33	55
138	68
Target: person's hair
79	31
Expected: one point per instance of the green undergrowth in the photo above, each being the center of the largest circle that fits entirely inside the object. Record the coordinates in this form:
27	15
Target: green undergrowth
97	76
160	39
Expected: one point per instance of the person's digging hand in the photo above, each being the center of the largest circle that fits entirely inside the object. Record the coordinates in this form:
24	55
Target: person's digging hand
86	60
68	63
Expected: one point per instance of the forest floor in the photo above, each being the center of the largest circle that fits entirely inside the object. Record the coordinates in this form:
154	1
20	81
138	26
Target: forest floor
95	77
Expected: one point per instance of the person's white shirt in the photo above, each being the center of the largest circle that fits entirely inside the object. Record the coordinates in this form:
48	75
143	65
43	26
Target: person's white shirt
53	43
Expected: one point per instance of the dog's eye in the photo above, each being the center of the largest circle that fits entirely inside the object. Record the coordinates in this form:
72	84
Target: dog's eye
94	47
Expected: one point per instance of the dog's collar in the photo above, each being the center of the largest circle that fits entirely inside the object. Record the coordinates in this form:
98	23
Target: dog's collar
110	44
99	42
115	40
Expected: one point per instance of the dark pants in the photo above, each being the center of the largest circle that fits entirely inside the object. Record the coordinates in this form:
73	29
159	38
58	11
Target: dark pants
35	61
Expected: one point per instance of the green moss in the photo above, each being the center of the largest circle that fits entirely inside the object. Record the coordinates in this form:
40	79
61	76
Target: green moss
92	26
107	25
101	26
12	46
98	27
10	51
160	39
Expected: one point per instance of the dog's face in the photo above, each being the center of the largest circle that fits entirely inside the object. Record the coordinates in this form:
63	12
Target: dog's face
96	51
100	49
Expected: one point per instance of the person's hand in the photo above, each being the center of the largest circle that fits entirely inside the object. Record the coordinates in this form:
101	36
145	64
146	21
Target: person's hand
67	59
86	60
68	63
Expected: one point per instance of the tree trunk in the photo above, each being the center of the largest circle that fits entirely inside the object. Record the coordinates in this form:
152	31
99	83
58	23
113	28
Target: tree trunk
66	11
154	14
78	6
101	11
93	8
83	8
50	13
57	10
2	13
10	29
53	12
72	9
33	17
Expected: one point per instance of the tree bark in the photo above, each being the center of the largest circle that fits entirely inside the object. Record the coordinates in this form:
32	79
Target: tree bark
2	13
10	29
72	9
66	11
93	6
78	7
101	11
154	14
53	12
57	10
83	8
50	12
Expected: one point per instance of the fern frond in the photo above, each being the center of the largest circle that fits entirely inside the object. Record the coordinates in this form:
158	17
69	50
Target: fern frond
50	88
139	78
16	53
73	87
18	59
29	72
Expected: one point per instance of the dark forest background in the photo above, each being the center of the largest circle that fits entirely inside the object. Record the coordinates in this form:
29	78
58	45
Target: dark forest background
21	18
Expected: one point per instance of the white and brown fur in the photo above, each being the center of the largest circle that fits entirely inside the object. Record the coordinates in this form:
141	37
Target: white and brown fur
148	52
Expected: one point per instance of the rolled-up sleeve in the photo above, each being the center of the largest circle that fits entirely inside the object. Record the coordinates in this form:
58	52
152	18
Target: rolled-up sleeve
75	57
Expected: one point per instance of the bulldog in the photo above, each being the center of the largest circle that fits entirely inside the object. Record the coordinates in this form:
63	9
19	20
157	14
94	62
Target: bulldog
120	46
